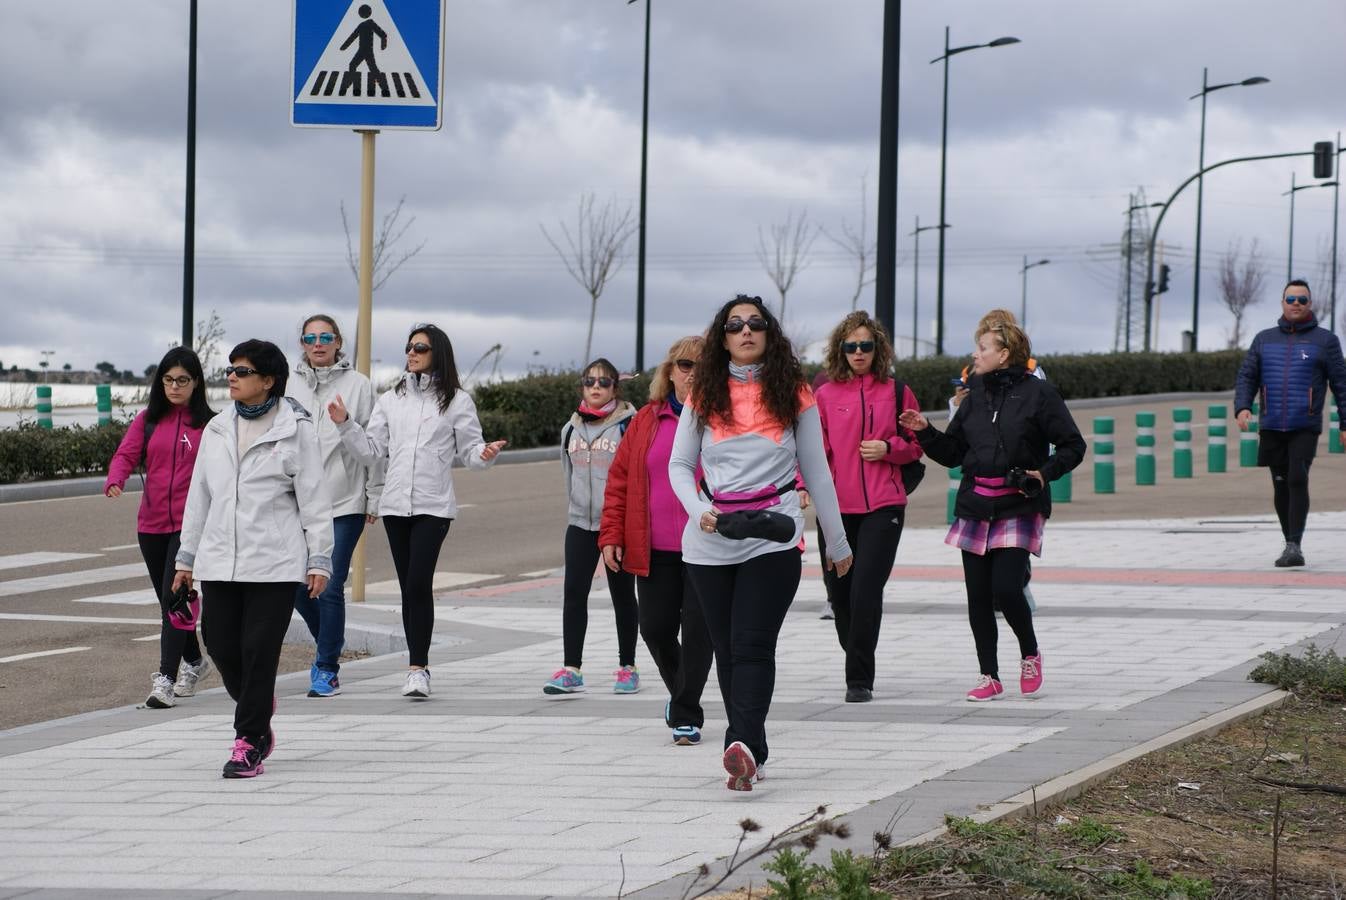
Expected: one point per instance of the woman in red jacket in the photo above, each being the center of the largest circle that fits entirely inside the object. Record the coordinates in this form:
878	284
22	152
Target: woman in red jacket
164	438
859	409
641	532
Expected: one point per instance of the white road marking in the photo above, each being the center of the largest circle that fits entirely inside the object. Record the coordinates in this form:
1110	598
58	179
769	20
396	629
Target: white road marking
540	573
71	579
90	620
443	581
23	560
148	637
121	547
129	598
22	656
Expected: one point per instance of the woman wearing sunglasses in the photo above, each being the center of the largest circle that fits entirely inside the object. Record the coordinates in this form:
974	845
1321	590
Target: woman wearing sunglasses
752	424
257	526
1002	436
589	441
321	375
163	441
641	533
419	428
858	407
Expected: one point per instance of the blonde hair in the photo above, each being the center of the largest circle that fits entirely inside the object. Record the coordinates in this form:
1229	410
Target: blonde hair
993	318
838	367
661	383
1009	336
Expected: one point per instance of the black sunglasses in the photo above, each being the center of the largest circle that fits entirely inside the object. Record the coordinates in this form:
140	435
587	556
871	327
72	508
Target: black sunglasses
854	346
602	381
735	325
418	347
240	371
686	365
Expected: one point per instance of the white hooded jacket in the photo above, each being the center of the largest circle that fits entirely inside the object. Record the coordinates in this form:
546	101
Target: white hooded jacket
354	487
420	445
265	517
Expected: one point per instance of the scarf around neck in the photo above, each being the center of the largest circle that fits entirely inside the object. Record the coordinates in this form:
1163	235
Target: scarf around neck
589	414
255	411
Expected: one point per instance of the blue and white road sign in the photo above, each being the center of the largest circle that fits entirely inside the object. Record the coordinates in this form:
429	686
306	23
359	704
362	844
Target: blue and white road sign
368	64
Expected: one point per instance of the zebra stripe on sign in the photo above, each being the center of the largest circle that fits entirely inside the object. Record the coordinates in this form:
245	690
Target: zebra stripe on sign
368	84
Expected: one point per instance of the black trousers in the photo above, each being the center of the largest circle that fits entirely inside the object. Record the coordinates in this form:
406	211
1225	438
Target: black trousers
415	542
244	625
745	607
159	552
1289	454
857	599
669	605
582	555
997	579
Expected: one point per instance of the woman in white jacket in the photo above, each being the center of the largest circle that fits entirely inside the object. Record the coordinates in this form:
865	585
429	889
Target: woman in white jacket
258	524
323	374
419	427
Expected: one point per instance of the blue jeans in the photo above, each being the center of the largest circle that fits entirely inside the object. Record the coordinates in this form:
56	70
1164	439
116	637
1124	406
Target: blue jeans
326	615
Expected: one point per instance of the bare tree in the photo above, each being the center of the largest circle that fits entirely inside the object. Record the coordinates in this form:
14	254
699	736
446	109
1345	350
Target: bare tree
1322	282
209	333
788	253
1240	285
860	248
387	258
593	251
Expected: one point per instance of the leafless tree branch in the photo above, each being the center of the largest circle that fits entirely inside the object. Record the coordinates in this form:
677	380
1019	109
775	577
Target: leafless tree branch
858	245
787	253
1240	285
593	252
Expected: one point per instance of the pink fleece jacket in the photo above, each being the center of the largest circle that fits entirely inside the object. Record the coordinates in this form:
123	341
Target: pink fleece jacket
169	460
864	409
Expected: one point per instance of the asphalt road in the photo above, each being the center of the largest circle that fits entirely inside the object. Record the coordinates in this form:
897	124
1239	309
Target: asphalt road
512	523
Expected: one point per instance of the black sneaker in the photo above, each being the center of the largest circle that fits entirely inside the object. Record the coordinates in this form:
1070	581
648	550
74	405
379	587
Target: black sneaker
1290	556
245	761
856	694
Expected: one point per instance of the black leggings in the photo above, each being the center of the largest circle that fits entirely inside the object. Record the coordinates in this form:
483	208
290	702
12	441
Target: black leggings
857	599
669	605
244	625
414	542
1289	454
160	552
745	607
582	555
998	577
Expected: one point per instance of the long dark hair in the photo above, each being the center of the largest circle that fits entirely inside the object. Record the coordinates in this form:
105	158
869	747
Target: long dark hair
443	370
782	377
159	404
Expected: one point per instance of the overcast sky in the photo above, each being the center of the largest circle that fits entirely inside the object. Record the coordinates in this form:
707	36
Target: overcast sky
758	109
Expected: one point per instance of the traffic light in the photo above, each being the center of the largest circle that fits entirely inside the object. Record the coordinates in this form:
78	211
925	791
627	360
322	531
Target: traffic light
1163	278
1322	159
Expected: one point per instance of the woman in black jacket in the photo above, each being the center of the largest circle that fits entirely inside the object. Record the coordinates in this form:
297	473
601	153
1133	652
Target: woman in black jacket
1001	436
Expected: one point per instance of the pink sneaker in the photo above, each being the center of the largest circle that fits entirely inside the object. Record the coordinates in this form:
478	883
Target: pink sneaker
1030	674
740	765
987	689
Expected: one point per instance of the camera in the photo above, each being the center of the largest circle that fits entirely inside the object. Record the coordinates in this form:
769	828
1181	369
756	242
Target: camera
1024	483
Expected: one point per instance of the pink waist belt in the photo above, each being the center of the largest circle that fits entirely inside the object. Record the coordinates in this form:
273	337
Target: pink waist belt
992	487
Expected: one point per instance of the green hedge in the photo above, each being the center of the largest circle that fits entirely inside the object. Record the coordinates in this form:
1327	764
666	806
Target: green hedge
30	453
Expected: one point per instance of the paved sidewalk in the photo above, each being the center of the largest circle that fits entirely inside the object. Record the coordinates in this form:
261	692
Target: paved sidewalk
1147	627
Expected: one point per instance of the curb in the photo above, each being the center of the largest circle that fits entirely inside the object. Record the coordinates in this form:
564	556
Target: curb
1071	785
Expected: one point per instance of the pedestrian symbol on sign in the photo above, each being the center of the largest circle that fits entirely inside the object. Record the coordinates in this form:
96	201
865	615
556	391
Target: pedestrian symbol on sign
381	72
364	33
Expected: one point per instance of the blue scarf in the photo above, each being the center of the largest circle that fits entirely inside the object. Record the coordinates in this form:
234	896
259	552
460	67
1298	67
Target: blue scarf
674	405
252	412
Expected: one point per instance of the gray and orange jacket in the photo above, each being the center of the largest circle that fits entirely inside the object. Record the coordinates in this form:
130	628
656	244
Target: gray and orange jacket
752	456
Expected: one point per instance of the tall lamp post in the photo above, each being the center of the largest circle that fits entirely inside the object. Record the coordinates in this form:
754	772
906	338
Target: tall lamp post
916	283
1206	88
644	166
189	205
943	172
1023	303
1130	241
1336	206
1290	267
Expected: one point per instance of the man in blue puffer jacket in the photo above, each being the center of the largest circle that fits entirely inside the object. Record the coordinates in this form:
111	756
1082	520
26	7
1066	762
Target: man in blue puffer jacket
1290	366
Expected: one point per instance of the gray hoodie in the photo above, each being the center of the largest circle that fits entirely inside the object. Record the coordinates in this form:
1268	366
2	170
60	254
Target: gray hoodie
587	450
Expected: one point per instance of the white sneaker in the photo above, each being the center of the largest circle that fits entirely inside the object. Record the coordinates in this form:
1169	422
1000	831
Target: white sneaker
417	685
188	676
161	693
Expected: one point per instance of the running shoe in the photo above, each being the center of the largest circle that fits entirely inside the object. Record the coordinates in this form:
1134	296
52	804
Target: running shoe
740	765
161	693
627	680
1290	556
686	735
564	680
1030	675
245	761
189	675
417	685
987	688
324	684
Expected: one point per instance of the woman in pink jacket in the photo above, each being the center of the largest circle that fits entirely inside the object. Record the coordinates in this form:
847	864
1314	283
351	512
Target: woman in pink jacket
859	408
164	439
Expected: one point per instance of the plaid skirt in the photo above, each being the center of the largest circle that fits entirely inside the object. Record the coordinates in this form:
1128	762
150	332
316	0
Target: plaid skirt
980	536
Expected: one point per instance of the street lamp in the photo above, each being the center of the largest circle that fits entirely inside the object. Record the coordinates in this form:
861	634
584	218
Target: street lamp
46	363
189	204
1207	88
644	162
916	281
1023	303
1130	223
943	172
1290	269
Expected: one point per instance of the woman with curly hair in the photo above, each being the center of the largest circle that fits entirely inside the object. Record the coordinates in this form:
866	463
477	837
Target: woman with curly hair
752	424
859	406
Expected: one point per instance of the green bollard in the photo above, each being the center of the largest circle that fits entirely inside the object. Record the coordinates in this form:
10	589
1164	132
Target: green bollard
1334	435
1105	469
955	479
1060	488
1217	437
1182	442
1248	442
104	394
44	406
1144	448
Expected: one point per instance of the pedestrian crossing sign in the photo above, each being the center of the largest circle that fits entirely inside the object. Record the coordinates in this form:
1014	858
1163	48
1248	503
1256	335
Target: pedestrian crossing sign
368	64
